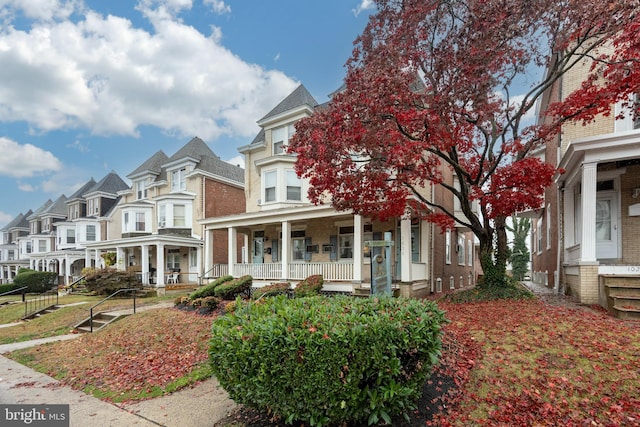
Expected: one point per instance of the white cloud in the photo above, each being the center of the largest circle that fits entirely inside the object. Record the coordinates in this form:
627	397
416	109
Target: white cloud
218	6
82	147
27	188
104	75
237	161
364	5
67	181
25	160
5	218
40	10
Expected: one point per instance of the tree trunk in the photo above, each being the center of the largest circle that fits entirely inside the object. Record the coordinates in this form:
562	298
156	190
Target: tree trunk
493	259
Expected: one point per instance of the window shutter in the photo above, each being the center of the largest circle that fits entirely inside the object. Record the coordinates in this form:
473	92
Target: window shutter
274	250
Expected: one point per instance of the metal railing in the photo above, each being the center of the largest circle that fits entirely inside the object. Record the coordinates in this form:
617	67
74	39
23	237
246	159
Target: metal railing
23	290
41	302
112	295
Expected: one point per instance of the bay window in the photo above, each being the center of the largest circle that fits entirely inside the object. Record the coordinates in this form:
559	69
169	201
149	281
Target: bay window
294	186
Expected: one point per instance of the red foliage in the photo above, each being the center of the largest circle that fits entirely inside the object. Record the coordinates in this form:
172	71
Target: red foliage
430	87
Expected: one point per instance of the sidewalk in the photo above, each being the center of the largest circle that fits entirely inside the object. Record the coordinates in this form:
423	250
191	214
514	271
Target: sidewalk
202	405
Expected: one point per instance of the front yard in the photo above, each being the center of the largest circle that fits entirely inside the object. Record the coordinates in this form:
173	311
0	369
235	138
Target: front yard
510	363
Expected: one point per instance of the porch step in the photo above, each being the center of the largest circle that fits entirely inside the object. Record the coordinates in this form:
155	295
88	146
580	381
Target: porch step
360	291
100	320
623	296
42	312
627	313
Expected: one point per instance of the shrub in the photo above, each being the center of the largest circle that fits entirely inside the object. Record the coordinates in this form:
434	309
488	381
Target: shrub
272	290
209	290
106	281
310	286
181	300
231	289
9	287
35	281
327	360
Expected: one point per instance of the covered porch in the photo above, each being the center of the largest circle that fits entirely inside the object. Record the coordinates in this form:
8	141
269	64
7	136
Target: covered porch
601	214
292	244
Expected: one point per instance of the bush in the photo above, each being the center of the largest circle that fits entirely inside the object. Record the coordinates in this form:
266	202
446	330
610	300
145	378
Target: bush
327	360
9	287
310	286
231	289
35	281
209	290
106	281
271	290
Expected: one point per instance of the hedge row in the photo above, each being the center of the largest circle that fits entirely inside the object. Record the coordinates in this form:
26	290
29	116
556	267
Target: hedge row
327	360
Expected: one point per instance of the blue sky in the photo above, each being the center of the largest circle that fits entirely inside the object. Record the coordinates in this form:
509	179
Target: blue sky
91	86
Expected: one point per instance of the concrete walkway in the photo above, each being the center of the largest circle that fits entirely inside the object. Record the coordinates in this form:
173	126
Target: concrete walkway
202	405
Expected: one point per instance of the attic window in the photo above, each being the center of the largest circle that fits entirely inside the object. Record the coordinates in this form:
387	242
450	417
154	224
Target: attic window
280	137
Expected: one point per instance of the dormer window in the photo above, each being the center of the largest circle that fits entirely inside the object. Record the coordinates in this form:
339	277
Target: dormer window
93	207
141	189
280	137
178	180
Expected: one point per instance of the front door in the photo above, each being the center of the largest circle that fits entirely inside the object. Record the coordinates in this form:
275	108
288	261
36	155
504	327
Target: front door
258	247
607	226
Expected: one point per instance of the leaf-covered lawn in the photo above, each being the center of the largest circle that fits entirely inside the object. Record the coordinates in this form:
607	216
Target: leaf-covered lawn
512	363
138	357
530	363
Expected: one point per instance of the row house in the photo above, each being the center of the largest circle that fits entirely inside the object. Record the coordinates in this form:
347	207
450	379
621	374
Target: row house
11	260
583	239
154	229
284	237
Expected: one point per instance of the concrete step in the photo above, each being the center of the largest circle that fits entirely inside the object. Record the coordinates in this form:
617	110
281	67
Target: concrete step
100	320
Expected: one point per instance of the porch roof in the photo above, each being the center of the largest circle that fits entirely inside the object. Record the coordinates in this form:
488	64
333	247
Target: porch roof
152	239
271	216
599	149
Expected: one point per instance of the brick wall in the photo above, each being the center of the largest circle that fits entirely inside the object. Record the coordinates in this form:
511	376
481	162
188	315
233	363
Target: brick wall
630	224
223	199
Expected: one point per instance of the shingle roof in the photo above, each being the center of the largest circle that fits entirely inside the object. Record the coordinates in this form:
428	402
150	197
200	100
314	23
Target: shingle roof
299	97
40	210
80	191
152	165
59	207
15	221
207	160
110	184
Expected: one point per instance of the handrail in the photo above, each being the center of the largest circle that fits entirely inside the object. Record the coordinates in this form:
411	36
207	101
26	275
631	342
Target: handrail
42	301
15	290
75	282
113	294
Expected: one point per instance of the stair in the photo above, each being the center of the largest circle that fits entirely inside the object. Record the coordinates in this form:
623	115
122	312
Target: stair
623	296
360	291
42	312
100	320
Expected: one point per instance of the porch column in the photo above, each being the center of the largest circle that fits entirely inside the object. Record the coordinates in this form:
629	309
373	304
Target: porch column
208	251
199	264
405	249
120	261
233	248
97	259
67	269
569	218
286	241
160	268
357	249
144	266
589	181
87	258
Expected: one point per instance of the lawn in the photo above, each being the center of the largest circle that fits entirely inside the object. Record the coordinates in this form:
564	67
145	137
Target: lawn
511	363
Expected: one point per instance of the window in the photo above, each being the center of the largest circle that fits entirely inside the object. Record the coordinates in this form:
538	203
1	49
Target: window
162	216
71	235
91	233
42	246
415	242
93	206
28	247
141	189
178	216
548	227
140	226
270	186
173	259
280	137
294	191
461	247
539	236
636	120
178	180
447	247
345	242
193	258
469	253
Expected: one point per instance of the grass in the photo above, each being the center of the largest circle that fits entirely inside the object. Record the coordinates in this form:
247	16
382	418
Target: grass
62	320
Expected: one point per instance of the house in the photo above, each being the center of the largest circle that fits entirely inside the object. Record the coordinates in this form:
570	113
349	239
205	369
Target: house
153	228
284	237
594	213
10	260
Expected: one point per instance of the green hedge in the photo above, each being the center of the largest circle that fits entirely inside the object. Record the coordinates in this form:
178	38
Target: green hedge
9	287
327	360
231	289
36	281
209	289
271	290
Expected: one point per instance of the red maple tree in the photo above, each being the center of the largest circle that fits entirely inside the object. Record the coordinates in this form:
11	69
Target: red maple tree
431	85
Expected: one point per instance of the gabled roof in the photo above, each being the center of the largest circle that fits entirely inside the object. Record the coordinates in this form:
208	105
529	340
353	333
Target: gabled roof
80	191
152	166
298	98
39	211
15	222
206	160
59	207
110	184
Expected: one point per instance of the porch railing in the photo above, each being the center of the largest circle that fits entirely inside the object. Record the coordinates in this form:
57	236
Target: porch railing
333	271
